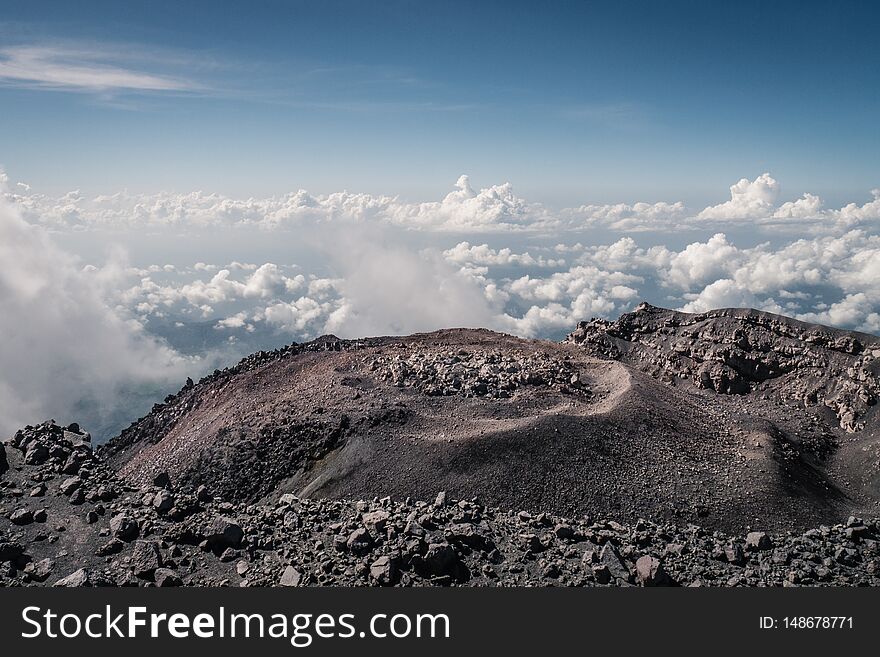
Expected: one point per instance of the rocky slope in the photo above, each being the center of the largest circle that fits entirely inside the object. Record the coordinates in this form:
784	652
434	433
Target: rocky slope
69	520
817	385
522	424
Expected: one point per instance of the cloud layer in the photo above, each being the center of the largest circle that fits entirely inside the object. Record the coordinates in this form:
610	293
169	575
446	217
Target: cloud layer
64	348
78	331
491	209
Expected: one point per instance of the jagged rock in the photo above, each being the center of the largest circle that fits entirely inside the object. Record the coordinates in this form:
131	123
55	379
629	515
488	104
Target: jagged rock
758	541
21	517
441	559
124	527
113	546
224	532
734	554
467	534
290	577
68	486
76	579
376	520
10	550
39	571
203	495
145	559
165	577
650	572
610	557
359	542
163	501
384	570
36	454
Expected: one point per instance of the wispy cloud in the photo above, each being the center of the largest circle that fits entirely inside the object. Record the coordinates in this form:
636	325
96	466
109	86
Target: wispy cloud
75	69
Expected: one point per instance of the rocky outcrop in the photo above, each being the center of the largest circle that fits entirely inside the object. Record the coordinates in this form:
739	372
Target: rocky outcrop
477	374
746	352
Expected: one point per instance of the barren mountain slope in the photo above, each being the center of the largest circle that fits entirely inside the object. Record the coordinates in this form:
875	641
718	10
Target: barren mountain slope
816	384
521	424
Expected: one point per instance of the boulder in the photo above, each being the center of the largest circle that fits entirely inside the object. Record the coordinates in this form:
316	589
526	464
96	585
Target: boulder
124	527
384	571
165	577
69	485
145	559
21	517
359	542
650	572
76	579
758	541
163	501
610	557
224	532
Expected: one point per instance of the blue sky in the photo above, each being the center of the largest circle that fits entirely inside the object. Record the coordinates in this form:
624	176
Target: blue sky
695	155
570	102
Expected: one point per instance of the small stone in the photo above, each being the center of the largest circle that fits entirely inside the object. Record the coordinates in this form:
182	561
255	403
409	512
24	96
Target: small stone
376	520
291	577
165	577
384	571
123	527
359	541
163	501
69	485
79	578
145	559
21	517
224	531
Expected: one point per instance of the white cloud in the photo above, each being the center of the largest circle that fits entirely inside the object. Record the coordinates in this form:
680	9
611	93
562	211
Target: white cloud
806	207
62	345
494	209
748	200
465	254
78	69
628	217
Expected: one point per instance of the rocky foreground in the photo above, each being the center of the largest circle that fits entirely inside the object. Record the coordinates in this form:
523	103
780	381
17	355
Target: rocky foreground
67	519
